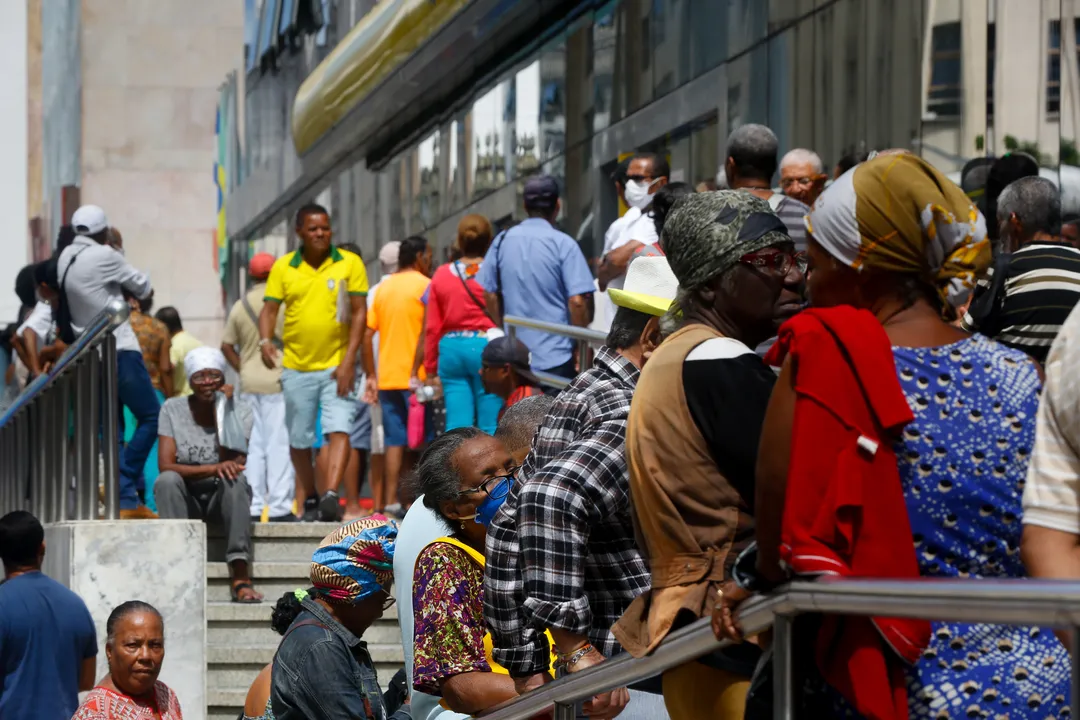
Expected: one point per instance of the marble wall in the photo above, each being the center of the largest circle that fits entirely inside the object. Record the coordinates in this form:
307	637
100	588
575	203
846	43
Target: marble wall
161	562
151	72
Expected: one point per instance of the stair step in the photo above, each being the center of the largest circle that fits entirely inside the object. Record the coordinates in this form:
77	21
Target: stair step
272	579
274	542
224	677
262	654
260	612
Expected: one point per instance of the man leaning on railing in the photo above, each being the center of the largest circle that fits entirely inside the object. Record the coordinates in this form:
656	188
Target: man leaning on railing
92	275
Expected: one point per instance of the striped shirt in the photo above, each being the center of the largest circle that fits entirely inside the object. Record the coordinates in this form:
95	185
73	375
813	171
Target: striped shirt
793	214
1052	492
1042	285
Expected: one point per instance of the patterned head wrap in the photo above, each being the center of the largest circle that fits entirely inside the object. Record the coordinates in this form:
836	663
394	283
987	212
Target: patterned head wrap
706	234
355	560
899	214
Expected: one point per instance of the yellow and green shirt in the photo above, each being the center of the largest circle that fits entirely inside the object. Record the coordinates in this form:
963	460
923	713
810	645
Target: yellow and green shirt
316	306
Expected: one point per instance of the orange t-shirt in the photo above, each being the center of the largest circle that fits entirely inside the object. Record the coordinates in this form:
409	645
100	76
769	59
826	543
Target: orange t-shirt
397	314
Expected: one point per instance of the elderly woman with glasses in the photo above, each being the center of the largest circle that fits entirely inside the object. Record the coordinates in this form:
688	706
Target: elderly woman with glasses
465	476
200	476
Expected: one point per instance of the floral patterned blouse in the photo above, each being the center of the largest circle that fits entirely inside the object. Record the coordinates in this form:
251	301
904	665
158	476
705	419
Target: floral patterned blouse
104	704
152	334
448	605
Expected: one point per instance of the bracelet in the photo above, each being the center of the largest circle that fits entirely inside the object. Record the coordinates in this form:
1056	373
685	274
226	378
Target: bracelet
263	341
570	660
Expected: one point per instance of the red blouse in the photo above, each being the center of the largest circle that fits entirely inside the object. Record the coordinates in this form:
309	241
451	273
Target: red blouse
451	308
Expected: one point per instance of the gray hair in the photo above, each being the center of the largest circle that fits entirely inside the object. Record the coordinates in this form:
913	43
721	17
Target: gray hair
802	156
754	149
1036	203
519	423
437	478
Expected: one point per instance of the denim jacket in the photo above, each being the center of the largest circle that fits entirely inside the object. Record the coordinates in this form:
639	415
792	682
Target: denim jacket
324	672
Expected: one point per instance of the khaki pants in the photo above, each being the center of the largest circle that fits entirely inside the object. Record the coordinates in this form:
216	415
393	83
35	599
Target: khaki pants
694	691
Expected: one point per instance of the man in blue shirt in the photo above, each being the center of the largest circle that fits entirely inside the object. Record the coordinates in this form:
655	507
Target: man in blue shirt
535	271
48	645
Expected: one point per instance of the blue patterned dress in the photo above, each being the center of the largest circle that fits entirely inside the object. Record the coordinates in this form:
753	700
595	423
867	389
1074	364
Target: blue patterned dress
963	462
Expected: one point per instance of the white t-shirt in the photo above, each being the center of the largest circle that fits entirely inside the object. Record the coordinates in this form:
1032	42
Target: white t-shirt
40	320
638	226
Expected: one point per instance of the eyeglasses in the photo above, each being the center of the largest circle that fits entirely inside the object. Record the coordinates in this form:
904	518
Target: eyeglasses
777	261
639	177
785	183
389	601
205	377
496	487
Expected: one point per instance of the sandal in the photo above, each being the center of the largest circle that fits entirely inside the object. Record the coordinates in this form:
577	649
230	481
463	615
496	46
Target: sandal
253	598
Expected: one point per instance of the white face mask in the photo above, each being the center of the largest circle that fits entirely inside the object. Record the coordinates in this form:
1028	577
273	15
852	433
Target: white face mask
637	193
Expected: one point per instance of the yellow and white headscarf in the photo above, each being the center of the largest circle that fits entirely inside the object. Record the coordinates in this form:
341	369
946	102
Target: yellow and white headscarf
898	213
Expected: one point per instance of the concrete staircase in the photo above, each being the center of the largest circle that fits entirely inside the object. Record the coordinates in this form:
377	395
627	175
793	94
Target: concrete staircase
240	640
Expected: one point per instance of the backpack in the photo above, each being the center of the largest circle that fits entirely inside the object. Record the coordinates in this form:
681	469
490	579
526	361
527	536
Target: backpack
64	328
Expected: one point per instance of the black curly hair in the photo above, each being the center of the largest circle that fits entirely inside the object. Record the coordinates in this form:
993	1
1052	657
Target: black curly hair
285	611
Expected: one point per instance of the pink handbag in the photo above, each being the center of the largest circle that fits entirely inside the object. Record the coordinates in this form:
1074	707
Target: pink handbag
416	423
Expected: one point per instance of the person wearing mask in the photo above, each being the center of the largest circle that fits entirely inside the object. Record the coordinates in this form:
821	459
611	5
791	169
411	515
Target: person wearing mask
562	556
48	644
458	328
691	459
535	271
961	460
269	468
92	276
200	474
181	342
324	292
1039	281
464	477
397	314
751	165
422	526
663	203
505	372
322	669
802	175
135	650
646	175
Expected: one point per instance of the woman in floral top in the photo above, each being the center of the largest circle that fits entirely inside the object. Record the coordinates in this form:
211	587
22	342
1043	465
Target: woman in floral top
465	475
135	649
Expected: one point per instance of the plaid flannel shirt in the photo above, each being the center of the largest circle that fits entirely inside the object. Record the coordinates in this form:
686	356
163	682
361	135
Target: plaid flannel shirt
561	553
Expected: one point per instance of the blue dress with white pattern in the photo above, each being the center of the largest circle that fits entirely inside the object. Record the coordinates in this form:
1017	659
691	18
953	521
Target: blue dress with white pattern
963	463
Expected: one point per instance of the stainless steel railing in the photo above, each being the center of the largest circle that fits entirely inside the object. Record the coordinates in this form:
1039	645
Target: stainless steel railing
63	429
586	340
1016	601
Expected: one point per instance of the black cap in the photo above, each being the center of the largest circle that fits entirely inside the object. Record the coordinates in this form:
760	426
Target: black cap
504	351
541	192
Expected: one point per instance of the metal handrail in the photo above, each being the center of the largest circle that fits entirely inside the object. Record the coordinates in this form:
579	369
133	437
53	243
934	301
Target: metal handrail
62	431
1005	601
585	338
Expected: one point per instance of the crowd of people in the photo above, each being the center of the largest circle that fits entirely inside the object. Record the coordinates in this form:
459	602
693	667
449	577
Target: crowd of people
863	375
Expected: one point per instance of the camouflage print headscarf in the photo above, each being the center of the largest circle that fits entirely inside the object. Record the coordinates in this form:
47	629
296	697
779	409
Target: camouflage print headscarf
706	234
900	214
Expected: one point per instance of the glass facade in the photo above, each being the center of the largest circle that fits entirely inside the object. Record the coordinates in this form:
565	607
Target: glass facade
677	76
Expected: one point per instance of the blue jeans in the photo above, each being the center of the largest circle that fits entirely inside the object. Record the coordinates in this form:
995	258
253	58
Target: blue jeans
137	395
463	391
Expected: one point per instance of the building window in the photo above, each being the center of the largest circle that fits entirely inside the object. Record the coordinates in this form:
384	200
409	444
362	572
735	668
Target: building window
1053	69
945	91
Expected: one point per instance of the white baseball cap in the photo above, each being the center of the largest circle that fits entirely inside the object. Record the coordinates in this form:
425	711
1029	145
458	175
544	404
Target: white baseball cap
89	220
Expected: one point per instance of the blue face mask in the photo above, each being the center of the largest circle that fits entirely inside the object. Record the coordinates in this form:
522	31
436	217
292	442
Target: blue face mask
486	511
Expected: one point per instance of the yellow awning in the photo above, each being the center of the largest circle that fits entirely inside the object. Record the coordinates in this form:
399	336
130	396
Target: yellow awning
379	44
